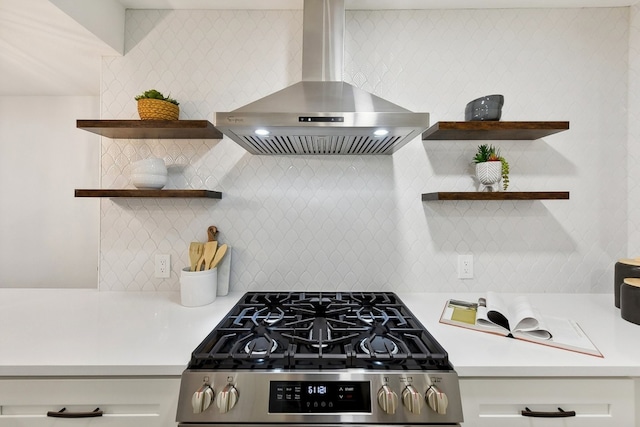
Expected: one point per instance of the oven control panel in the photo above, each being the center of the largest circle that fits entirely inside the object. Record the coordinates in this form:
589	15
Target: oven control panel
300	397
295	397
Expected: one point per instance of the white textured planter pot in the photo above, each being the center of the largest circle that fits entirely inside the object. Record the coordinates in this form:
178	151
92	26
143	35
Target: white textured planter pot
489	175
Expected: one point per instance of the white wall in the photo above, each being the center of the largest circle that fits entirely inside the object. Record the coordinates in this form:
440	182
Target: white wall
48	237
358	222
633	142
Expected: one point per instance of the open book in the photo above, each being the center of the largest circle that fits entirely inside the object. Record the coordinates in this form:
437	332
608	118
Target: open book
518	319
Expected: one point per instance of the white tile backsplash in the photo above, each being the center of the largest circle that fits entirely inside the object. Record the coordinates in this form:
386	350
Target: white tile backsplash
357	222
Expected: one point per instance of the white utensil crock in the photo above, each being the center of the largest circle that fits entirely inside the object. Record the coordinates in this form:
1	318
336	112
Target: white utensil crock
198	288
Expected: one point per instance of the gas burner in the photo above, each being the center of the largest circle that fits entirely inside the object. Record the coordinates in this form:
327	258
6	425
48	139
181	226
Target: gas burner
379	345
320	333
315	340
270	317
260	346
367	318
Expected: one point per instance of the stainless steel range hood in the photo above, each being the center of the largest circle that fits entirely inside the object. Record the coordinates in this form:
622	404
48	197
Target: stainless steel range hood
322	114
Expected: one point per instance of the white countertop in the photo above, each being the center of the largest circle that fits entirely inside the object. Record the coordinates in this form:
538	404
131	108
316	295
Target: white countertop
87	332
59	332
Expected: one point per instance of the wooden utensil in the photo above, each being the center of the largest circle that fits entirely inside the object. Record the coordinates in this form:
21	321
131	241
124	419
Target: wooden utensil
208	255
211	232
219	254
196	249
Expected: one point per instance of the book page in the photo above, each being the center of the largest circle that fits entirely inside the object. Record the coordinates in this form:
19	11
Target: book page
516	316
567	335
493	312
526	319
465	314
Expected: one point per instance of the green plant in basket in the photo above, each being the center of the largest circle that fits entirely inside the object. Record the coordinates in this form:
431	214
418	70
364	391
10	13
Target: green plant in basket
489	153
153	105
154	94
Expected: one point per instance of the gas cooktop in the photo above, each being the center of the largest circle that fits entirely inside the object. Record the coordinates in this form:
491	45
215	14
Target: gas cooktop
325	330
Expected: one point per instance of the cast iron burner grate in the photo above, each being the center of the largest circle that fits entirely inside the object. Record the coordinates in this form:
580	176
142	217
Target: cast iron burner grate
325	330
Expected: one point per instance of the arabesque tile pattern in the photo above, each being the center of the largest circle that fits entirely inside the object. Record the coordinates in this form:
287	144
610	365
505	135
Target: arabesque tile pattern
357	223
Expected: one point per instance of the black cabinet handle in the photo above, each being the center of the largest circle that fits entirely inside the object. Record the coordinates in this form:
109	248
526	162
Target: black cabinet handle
63	414
542	414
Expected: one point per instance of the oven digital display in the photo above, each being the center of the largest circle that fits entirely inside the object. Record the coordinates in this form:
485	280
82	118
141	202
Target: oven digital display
296	397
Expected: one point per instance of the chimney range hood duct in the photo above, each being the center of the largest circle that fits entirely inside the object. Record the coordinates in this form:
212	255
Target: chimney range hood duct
322	114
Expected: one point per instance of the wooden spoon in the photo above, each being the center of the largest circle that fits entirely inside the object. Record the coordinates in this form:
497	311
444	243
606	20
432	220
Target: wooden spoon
211	232
219	254
196	249
207	256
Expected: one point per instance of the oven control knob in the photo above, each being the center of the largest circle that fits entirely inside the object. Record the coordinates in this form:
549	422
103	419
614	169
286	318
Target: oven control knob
437	400
202	399
227	398
387	399
412	399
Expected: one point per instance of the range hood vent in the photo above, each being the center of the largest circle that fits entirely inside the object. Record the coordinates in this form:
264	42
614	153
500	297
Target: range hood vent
322	114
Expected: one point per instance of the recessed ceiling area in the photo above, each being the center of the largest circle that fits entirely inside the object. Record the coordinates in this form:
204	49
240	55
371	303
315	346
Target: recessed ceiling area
43	51
54	47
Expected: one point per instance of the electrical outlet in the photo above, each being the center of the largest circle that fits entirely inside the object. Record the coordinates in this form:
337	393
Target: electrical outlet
163	266
465	266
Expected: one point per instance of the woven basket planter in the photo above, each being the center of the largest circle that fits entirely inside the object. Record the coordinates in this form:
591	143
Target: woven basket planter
157	109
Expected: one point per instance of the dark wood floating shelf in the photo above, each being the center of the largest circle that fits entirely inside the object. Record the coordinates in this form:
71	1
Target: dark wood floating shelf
491	130
151	129
497	195
206	194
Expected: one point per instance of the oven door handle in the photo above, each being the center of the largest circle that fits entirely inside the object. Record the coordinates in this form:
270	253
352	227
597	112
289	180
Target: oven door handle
62	413
544	414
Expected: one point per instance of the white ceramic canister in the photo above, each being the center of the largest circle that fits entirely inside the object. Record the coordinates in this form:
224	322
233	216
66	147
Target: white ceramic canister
151	166
198	288
149	173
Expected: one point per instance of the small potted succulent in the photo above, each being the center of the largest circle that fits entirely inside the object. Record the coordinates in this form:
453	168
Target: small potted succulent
153	105
491	167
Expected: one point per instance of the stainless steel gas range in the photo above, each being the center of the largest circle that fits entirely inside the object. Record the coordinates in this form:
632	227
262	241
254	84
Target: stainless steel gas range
322	358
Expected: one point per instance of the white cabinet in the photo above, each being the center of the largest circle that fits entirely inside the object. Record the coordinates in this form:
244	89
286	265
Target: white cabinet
125	402
597	402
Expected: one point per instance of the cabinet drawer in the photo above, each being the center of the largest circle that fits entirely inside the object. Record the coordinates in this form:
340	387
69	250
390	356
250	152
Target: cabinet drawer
125	402
499	402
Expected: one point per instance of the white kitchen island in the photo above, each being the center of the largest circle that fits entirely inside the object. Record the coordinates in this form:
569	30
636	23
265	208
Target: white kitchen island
87	338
